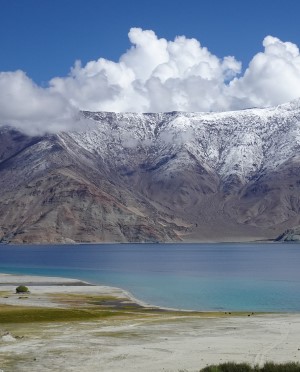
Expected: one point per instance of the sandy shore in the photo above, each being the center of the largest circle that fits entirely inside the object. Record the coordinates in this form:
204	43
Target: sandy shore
41	288
134	340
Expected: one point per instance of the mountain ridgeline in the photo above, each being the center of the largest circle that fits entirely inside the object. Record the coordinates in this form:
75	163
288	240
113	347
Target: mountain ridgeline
166	177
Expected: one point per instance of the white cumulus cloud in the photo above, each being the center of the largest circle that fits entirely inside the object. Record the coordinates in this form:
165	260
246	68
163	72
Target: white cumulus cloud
154	75
32	109
272	78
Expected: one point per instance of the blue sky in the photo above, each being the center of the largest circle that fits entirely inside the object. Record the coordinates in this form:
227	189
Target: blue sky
45	37
143	56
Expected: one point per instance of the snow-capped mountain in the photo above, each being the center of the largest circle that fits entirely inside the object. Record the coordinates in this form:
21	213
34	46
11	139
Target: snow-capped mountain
154	177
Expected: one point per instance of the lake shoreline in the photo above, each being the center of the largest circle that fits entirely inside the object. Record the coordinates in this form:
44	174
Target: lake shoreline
258	241
45	285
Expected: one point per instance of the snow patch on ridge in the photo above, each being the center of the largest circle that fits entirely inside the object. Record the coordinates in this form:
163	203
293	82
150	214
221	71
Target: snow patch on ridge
233	143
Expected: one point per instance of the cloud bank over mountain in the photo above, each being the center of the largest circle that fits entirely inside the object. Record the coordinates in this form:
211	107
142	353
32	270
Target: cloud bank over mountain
154	75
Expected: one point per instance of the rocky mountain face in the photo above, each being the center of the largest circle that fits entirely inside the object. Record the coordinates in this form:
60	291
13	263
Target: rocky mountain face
290	235
176	176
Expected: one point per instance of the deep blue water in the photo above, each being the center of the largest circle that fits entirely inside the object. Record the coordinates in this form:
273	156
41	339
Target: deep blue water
252	277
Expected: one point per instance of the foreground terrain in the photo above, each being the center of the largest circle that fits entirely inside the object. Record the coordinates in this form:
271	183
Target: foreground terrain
67	325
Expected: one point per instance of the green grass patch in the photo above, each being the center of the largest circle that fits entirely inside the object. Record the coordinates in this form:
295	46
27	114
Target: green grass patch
83	300
85	297
286	367
20	314
23	314
244	367
5	293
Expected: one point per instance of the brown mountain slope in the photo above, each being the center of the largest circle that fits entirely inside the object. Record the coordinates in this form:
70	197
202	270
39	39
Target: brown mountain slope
154	177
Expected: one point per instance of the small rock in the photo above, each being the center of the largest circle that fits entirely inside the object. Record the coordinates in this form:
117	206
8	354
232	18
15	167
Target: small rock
8	338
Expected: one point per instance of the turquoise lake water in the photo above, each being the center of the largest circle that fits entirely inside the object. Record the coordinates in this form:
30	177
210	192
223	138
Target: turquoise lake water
251	277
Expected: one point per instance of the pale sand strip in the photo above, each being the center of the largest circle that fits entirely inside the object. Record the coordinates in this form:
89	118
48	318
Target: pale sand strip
40	287
163	343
